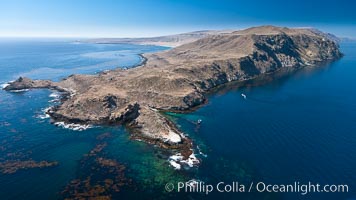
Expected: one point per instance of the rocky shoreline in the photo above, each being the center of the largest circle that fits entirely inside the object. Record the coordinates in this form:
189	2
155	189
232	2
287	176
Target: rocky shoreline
178	80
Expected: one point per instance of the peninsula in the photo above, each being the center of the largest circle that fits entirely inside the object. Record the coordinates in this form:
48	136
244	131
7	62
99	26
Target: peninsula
177	80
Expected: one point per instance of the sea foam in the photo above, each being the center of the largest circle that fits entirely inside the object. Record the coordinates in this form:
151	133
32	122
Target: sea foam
4	85
56	97
22	90
177	160
44	114
72	126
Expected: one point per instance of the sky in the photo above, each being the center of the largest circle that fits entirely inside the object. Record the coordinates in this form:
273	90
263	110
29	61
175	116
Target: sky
144	18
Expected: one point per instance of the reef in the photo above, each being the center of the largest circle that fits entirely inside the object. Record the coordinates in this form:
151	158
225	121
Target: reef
98	177
12	166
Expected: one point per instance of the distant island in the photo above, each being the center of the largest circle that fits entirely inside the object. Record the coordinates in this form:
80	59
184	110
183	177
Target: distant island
177	80
168	40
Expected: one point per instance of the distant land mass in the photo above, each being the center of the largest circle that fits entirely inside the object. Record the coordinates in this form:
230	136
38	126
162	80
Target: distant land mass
183	38
169	40
177	80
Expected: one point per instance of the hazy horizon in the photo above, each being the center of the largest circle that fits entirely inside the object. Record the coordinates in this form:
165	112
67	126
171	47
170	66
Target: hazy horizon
107	18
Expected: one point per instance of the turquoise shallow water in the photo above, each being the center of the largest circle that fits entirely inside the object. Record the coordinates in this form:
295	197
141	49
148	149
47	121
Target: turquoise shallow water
25	136
297	128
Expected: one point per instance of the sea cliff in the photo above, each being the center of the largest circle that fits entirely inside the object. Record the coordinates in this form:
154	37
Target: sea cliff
177	80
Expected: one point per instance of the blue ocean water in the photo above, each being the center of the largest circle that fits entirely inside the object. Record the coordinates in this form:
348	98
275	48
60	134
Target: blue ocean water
297	128
301	127
25	135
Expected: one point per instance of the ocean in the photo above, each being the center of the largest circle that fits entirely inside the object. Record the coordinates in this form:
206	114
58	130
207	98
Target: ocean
297	128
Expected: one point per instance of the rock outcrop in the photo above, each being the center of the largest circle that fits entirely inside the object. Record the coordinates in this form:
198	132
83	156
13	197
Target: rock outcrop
178	79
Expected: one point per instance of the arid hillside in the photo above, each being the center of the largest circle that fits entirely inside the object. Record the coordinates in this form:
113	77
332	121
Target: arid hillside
177	79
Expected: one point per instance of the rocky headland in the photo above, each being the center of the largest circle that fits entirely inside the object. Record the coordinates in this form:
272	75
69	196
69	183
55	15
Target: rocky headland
177	80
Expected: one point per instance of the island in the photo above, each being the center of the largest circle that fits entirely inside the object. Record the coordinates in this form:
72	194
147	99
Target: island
178	80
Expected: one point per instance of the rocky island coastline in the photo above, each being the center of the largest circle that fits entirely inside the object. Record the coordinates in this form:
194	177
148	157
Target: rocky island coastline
177	80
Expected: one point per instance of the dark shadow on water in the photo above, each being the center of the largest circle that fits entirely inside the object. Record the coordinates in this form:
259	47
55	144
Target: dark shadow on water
277	79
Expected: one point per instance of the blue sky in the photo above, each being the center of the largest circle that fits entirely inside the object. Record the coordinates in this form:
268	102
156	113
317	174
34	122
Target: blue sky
133	18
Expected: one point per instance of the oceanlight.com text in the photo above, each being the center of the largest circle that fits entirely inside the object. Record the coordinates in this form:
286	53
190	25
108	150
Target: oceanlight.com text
236	187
